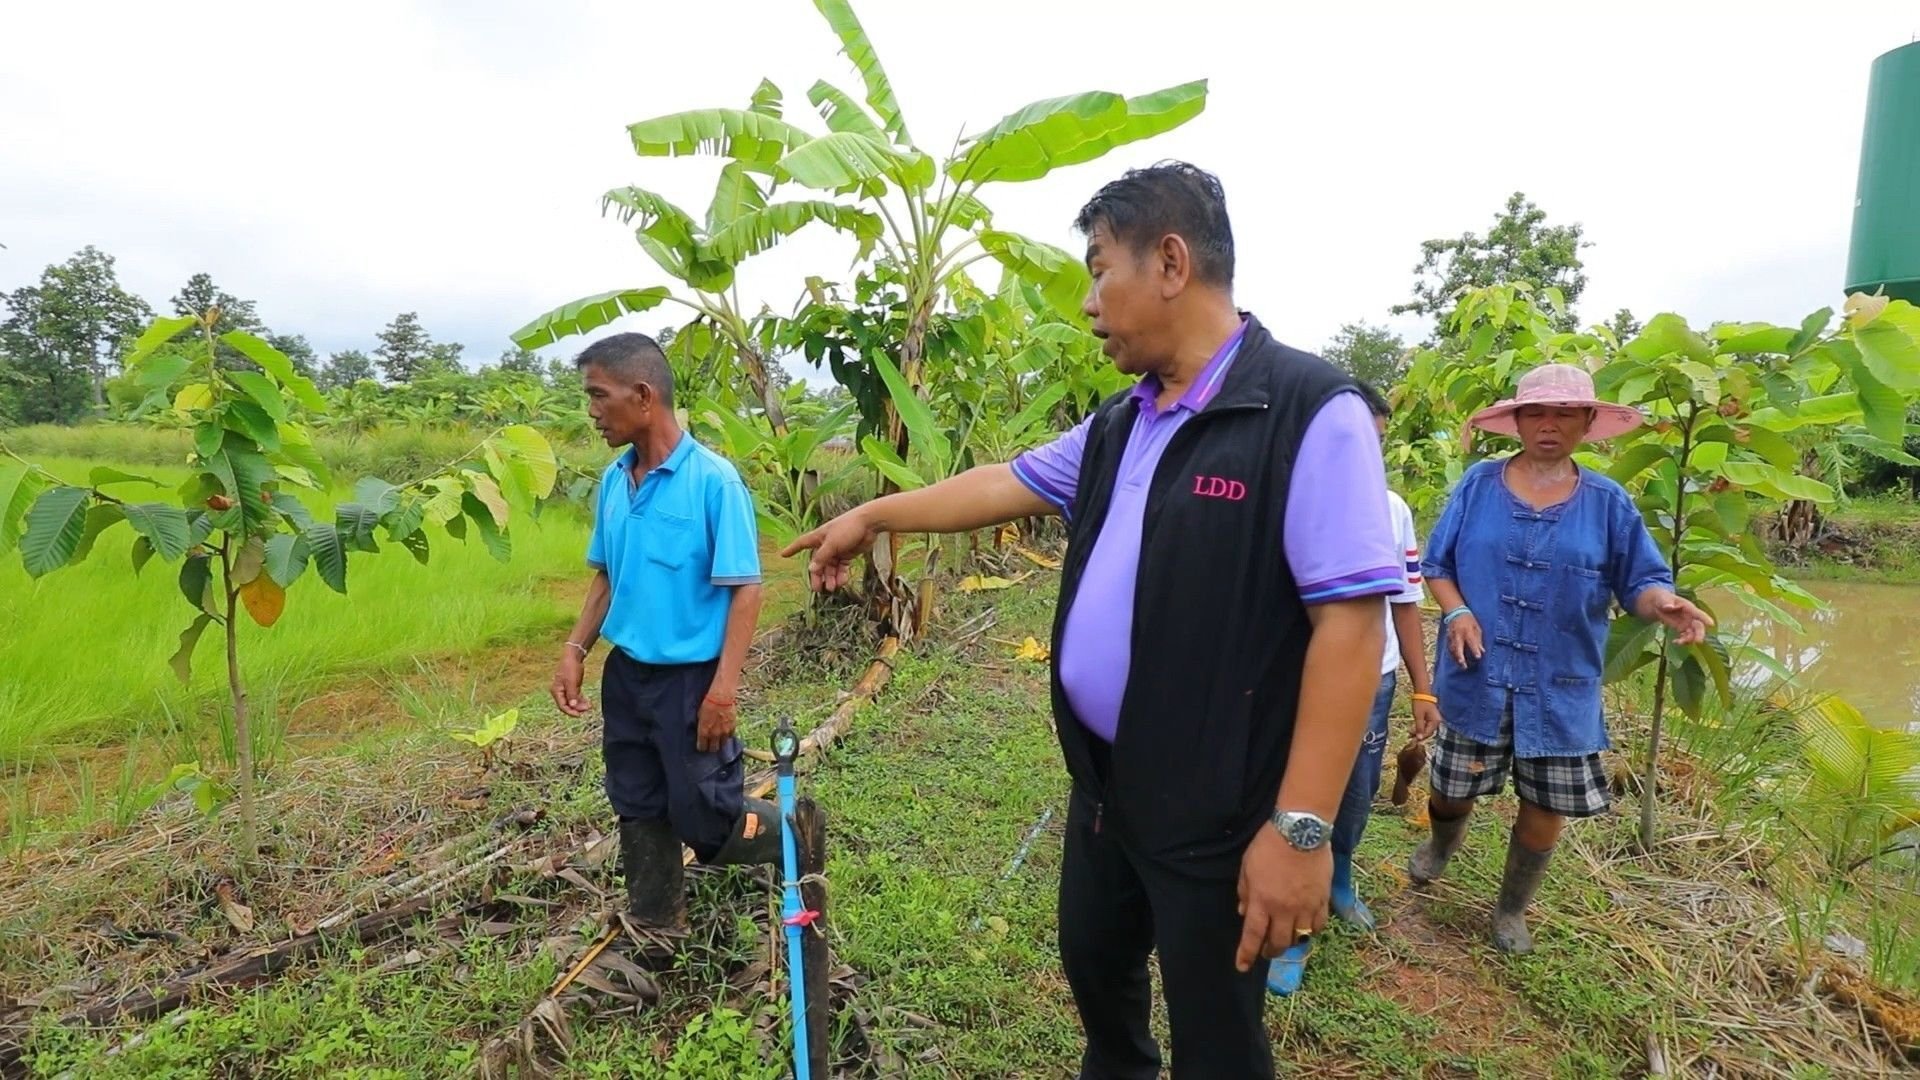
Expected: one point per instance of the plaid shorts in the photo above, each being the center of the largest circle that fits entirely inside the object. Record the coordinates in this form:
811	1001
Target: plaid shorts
1464	769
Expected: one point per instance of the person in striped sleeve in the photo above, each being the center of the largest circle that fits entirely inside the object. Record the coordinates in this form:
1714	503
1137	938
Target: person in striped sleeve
1405	642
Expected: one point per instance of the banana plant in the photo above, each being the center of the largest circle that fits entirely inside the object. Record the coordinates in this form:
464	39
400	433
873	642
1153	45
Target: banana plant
934	224
797	479
704	257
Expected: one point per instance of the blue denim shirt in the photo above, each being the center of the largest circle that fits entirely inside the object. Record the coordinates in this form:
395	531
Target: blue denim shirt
1541	583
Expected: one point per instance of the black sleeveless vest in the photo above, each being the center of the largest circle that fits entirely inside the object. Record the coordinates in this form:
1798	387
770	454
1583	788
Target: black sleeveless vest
1219	631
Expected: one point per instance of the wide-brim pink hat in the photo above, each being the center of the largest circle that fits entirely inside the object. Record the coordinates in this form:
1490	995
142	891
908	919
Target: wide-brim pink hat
1560	386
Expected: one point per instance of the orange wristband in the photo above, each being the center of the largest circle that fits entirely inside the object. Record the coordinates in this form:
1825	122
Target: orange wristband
1428	698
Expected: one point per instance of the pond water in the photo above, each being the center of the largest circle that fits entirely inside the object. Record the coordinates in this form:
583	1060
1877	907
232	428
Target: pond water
1865	647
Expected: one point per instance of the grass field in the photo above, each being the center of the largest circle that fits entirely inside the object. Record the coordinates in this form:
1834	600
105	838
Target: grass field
85	653
949	941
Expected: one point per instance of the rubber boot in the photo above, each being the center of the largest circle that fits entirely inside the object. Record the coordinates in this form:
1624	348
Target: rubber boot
1286	970
1345	902
1517	886
755	838
656	879
1430	859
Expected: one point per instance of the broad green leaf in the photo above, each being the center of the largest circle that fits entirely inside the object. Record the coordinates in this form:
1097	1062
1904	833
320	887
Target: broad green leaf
264	599
1882	409
738	192
766	99
376	493
1631	644
656	216
510	479
853	40
1770	445
1754	338
962	211
248	562
842	113
844	162
922	428
162	331
1811	412
328	550
405	519
1732	509
182	659
882	458
250	420
444	505
20	485
1689	682
286	558
296	445
208	438
1666	335
354	524
587	314
196	582
101	516
1890	345
252	472
732	133
1025	143
1850	757
1779	483
757	230
292	509
1061	278
1706	383
497	542
262	391
493	730
192	398
1880	448
487	492
275	363
1811	328
1036	411
159	372
53	529
524	445
142	554
104	474
416	544
1048	135
1637	459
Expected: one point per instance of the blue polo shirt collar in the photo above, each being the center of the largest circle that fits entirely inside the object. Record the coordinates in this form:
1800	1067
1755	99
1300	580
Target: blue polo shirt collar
673	460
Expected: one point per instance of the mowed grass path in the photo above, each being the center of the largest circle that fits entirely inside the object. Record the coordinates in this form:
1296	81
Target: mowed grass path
83	651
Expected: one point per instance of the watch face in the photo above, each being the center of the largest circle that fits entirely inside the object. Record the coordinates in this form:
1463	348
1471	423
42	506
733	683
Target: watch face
1306	833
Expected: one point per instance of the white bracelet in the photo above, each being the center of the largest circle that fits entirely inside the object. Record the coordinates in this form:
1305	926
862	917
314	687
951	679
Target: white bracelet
582	648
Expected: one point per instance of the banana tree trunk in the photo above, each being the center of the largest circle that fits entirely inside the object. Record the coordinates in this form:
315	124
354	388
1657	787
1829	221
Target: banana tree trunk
755	366
1800	521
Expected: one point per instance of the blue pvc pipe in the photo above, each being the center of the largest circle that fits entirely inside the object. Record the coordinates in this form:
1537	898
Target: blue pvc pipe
789	910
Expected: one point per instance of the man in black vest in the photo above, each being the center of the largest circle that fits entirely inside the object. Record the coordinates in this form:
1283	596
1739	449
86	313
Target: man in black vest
1215	637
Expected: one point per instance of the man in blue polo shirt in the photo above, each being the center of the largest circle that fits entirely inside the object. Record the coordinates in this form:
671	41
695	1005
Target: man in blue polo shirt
676	589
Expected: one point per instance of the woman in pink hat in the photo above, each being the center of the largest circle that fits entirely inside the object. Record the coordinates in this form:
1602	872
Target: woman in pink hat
1527	561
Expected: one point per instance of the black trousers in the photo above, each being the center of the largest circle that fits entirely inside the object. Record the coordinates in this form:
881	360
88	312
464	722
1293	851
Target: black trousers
655	772
1115	908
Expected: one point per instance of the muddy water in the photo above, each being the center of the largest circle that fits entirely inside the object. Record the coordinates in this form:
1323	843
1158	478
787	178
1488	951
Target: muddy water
1865	647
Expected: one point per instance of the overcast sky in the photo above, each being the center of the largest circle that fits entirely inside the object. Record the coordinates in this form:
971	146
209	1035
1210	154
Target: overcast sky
342	162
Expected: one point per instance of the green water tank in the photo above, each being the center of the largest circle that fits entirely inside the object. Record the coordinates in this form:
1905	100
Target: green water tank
1885	252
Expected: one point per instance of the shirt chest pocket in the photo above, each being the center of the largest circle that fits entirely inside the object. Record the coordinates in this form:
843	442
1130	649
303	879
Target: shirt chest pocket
1582	598
669	540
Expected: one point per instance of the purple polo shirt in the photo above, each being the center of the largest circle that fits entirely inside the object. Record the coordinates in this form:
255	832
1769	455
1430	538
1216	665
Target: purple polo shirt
1339	543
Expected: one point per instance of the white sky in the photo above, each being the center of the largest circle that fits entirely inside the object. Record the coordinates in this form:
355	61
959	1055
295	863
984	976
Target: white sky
341	162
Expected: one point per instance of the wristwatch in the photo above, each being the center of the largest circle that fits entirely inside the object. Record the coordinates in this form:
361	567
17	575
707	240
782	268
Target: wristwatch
1306	832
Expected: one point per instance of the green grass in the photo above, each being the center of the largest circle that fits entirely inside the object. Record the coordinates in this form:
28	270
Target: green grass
929	796
86	648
